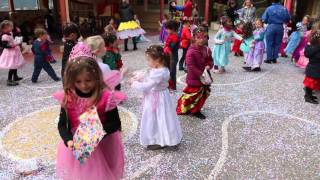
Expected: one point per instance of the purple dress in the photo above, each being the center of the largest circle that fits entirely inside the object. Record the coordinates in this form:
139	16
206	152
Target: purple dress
163	32
255	56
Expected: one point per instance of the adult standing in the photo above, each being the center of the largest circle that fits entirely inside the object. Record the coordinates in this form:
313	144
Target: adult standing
231	11
275	16
248	12
128	27
186	8
49	21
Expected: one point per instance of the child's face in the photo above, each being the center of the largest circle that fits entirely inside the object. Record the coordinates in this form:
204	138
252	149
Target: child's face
240	26
258	24
115	44
84	82
43	37
169	31
73	36
8	29
111	21
200	39
305	21
229	23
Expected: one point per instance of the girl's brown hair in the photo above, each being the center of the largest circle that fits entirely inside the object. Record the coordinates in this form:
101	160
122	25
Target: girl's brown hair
156	53
5	23
314	36
78	66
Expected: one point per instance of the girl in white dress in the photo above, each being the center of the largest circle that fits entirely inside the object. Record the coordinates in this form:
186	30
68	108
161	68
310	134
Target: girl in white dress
160	126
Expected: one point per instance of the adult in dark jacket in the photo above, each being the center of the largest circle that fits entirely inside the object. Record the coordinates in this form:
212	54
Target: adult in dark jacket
231	11
312	79
128	27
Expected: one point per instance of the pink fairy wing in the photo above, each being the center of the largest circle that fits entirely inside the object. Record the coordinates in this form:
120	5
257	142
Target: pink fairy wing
112	78
59	96
114	99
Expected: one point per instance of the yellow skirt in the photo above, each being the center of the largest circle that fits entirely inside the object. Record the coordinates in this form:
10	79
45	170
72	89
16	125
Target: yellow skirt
130	25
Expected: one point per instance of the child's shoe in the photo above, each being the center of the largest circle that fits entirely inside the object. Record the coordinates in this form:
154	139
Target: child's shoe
199	115
311	100
154	147
12	83
246	68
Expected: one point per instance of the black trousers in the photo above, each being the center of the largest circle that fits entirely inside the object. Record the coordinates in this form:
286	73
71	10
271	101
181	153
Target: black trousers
183	58
12	74
134	41
40	64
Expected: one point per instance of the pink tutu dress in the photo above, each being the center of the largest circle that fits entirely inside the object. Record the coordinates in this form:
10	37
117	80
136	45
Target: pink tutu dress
107	160
303	60
11	58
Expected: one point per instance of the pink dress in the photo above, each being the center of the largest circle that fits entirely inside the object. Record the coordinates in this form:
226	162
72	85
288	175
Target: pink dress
303	61
107	161
301	46
11	58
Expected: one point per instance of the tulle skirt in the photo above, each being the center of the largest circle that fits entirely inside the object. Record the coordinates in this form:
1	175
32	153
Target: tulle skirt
11	59
106	162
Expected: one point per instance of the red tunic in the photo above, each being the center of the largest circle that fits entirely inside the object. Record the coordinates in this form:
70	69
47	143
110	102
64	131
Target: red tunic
185	37
170	44
237	43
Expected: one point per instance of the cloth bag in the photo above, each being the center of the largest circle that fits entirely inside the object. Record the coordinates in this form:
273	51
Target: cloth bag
88	135
206	77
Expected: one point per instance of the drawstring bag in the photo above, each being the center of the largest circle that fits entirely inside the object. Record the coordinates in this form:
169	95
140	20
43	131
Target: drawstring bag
88	135
206	77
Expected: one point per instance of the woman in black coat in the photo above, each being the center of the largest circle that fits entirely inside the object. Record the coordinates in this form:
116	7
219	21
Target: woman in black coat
231	11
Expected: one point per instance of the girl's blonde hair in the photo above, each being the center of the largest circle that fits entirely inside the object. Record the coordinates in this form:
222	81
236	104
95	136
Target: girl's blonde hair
5	23
76	67
244	3
95	43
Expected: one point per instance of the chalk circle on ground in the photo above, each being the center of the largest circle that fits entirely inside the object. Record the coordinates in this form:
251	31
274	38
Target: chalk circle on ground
225	136
35	136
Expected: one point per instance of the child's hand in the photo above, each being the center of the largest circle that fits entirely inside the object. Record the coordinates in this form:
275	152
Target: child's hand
70	144
207	67
124	71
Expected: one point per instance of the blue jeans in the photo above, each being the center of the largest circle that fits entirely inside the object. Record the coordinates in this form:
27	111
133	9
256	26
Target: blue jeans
274	35
39	64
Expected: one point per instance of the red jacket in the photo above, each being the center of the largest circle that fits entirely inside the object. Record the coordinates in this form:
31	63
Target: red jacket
197	59
171	43
187	8
185	37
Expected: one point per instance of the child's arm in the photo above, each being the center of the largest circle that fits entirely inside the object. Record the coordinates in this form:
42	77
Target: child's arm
6	42
260	37
112	121
237	36
144	86
217	37
64	127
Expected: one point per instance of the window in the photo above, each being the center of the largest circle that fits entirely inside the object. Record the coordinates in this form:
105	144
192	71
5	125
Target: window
4	6
25	5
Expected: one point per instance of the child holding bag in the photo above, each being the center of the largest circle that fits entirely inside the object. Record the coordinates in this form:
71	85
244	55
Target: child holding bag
198	59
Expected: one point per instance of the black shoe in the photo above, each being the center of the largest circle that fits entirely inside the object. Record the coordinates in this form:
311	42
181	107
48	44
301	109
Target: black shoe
257	69
268	61
12	83
246	68
314	97
154	147
135	48
274	61
57	79
199	115
236	54
17	78
126	49
309	99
